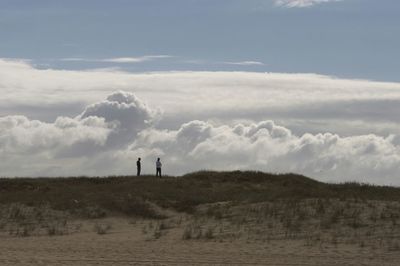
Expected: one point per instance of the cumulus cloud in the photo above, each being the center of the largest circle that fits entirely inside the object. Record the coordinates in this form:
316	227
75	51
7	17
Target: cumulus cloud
313	101
21	135
89	122
126	112
101	128
107	137
301	3
269	147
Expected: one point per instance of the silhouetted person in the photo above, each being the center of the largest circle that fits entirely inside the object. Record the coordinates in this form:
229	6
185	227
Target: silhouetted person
138	166
158	167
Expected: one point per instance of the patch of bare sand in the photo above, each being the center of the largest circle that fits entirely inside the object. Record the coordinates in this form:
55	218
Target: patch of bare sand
123	241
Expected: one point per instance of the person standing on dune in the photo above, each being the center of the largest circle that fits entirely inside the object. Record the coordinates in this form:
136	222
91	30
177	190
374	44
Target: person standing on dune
158	167
138	166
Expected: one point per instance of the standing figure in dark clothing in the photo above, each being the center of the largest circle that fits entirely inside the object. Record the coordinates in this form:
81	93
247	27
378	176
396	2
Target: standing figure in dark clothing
158	167
138	166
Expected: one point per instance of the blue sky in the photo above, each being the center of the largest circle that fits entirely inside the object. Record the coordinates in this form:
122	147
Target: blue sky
349	38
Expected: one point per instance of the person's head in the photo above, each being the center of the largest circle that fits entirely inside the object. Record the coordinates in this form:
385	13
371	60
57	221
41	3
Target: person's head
138	159
158	159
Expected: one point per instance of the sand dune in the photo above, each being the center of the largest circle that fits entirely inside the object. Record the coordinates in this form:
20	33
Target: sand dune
185	222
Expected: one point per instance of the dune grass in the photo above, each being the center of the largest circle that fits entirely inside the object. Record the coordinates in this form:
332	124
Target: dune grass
138	196
207	206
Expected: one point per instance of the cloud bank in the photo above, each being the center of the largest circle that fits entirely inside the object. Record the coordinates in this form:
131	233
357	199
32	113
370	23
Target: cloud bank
63	123
107	137
302	102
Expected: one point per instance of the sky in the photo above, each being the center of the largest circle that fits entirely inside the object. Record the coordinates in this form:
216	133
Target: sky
305	86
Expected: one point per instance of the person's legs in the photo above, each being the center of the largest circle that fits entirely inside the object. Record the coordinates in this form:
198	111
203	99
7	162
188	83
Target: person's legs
138	171
158	172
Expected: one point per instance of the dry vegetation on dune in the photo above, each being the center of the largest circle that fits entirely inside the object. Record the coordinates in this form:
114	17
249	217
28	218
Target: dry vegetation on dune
207	206
134	196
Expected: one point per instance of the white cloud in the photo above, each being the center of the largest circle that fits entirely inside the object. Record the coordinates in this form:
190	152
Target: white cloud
301	3
69	145
19	135
210	120
107	136
304	102
129	115
122	60
245	63
269	147
136	59
217	95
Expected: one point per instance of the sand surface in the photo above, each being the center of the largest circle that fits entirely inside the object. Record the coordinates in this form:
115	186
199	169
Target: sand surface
130	243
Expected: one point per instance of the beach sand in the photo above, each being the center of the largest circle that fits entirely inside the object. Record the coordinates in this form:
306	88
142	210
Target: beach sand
134	242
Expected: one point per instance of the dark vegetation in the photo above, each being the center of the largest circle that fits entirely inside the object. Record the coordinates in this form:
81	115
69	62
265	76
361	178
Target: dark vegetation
207	206
141	196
